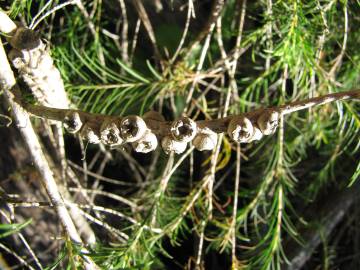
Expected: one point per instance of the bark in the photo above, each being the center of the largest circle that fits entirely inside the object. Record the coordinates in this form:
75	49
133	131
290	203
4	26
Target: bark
22	120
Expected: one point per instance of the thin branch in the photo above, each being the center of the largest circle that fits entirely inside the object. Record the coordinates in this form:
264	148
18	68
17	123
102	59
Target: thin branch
124	33
115	213
39	13
119	235
329	213
146	21
107	194
29	204
235	207
340	57
18	257
92	28
134	40
43	78
269	42
103	178
201	244
169	170
190	13
200	65
163	128
36	22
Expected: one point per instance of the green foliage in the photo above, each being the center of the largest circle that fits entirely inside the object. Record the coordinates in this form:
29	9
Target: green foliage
306	40
9	229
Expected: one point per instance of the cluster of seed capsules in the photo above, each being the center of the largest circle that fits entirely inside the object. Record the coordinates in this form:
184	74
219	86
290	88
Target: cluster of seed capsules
145	132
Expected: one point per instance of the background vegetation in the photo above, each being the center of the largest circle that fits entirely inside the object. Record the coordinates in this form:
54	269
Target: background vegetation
286	202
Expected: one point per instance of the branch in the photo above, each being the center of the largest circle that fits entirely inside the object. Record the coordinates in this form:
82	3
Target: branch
8	82
143	133
31	58
330	214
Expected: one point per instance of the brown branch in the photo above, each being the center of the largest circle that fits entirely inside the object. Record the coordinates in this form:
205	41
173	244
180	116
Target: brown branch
245	127
35	67
330	213
8	82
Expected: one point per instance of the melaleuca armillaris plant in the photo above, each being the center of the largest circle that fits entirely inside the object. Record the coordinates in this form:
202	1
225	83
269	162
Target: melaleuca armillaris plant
198	134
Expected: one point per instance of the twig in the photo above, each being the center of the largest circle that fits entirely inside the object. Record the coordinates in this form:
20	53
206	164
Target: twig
186	208
190	13
199	66
119	235
269	42
39	13
235	207
163	128
115	213
134	165
83	159
86	15
201	244
331	213
134	41
124	33
35	66
146	21
169	170
232	88
166	178
103	178
109	195
319	50
339	58
92	28
36	22
18	257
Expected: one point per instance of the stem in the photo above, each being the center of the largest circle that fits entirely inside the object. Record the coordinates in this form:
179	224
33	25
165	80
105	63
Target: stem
321	100
162	128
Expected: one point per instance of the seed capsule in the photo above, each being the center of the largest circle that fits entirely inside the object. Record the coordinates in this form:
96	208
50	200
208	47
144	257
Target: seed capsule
132	128
90	134
183	129
241	130
268	121
72	122
205	140
170	145
257	136
110	133
146	144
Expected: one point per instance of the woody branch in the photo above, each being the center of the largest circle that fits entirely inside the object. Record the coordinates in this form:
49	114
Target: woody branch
143	132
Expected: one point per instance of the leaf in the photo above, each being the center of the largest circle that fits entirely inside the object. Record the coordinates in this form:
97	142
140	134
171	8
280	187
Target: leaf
9	229
226	151
132	72
153	71
355	176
